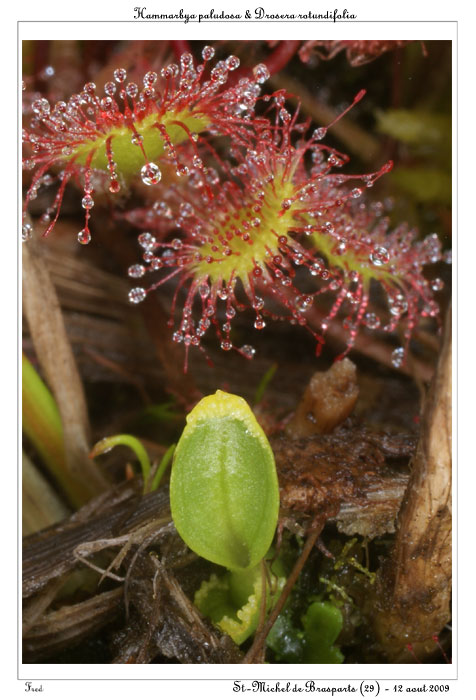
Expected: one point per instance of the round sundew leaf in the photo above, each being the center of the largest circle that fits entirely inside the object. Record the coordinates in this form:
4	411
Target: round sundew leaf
128	157
224	492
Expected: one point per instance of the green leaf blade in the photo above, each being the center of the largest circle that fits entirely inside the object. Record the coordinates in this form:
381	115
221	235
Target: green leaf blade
224	490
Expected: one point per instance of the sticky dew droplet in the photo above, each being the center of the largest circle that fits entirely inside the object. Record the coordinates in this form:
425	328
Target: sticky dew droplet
136	271
26	232
437	284
372	321
137	294
150	174
84	236
319	133
379	256
208	53
147	241
397	357
120	74
261	73
248	351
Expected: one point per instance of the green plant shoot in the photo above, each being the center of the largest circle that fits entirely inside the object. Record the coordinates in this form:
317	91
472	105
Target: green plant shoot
224	493
107	443
41	422
233	601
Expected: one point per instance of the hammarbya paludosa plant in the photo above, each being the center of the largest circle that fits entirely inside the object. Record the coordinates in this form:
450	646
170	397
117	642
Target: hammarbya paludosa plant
224	498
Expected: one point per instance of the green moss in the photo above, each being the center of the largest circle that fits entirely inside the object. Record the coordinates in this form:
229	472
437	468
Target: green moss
311	643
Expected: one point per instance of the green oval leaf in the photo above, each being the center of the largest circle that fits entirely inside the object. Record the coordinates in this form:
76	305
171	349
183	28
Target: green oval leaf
224	491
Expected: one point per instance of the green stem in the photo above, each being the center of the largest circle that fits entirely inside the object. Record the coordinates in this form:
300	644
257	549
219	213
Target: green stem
135	445
41	423
263	385
164	463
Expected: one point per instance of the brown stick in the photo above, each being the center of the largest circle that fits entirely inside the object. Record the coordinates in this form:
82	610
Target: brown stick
255	650
415	584
58	365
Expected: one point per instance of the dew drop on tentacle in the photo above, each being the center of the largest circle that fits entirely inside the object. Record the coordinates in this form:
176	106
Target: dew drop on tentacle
26	232
150	174
261	73
186	209
431	248
208	53
110	90
437	284
136	271
319	133
398	357
398	305
136	139
147	241
114	186
372	321
248	351
448	257
430	309
41	106
232	62
204	290
87	202
84	236
379	256
137	294
150	78
120	75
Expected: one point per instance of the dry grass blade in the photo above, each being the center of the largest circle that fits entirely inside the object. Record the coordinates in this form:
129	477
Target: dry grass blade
58	365
41	505
66	627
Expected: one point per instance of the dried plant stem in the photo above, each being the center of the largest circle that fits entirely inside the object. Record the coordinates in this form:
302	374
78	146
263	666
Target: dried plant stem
57	362
37	606
41	505
256	650
55	630
415	584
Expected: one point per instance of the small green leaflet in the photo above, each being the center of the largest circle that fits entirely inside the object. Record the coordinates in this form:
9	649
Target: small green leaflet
224	492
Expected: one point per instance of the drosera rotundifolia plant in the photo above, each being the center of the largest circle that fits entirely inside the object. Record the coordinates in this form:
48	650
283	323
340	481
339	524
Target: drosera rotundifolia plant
274	223
119	135
188	208
276	216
